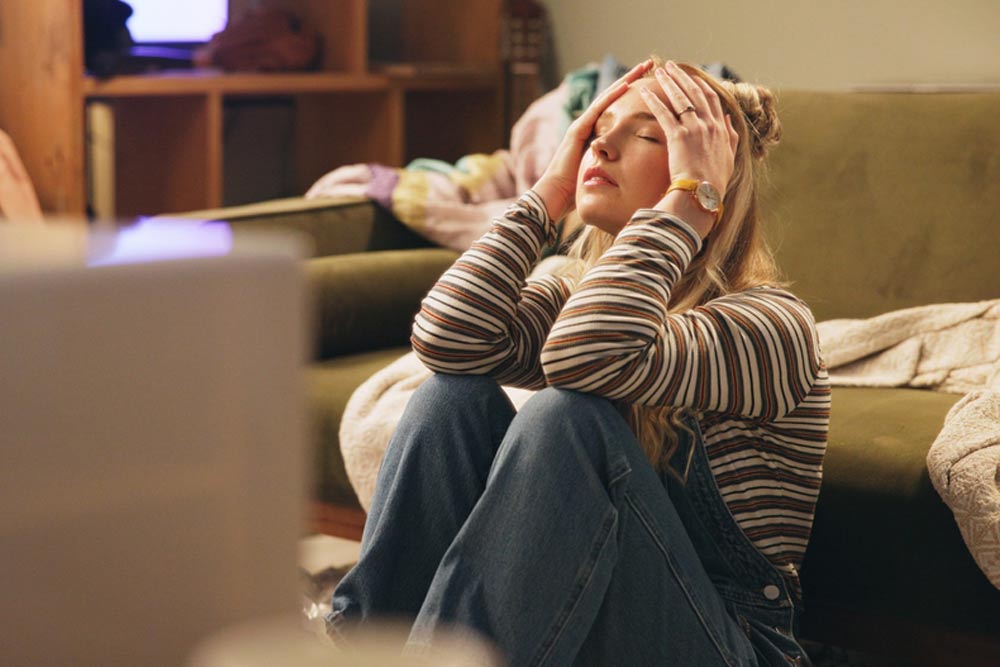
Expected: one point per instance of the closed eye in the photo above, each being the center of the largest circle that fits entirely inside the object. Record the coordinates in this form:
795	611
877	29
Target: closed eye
655	140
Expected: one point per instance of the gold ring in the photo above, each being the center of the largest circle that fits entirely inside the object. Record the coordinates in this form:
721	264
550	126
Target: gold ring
689	108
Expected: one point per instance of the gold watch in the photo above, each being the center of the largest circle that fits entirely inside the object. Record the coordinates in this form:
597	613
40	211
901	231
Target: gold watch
704	193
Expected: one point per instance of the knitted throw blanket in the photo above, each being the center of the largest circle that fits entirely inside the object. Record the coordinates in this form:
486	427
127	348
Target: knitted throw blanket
951	347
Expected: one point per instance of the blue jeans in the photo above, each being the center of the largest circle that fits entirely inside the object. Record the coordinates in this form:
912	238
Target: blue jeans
549	532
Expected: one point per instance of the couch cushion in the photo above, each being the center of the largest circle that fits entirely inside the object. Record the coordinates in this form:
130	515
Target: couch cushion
883	540
335	226
881	201
367	301
330	384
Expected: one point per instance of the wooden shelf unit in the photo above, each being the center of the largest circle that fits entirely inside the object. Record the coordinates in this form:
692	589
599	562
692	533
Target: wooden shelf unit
443	101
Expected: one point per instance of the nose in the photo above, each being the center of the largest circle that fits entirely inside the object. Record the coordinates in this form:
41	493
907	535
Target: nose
604	148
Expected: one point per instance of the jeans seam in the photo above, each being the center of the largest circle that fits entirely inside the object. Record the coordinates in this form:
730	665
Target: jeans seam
681	581
544	652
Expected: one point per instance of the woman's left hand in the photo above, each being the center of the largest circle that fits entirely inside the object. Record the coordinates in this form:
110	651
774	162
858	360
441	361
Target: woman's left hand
557	185
701	140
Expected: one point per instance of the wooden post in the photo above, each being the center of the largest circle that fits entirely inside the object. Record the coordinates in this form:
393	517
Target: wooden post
41	72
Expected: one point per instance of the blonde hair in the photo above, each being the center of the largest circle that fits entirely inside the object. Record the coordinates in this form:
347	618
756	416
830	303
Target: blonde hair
734	257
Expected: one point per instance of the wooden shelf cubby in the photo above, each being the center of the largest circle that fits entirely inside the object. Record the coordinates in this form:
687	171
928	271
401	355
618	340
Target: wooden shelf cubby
442	98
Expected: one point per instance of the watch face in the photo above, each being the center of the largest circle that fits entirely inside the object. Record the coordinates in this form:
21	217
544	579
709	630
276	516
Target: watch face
708	196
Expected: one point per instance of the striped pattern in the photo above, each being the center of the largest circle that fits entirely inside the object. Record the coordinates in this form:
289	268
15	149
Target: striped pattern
748	363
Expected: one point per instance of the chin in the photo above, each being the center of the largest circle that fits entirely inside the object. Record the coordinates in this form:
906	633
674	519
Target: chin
611	222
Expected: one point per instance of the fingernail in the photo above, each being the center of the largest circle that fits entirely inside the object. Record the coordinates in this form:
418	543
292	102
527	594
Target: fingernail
671	63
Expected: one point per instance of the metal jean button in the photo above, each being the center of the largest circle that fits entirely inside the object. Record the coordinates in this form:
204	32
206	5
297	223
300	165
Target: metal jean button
772	592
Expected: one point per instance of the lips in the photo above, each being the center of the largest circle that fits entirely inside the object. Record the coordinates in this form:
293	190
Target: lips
597	176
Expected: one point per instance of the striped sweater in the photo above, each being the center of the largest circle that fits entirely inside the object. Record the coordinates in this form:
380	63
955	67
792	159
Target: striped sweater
747	363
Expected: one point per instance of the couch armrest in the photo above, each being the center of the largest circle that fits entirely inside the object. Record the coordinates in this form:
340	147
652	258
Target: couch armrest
367	301
335	226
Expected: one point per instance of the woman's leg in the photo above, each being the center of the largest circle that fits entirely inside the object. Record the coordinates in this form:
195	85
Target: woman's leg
434	471
576	534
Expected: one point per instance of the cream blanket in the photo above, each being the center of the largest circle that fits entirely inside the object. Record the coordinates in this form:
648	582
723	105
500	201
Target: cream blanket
964	465
952	347
948	347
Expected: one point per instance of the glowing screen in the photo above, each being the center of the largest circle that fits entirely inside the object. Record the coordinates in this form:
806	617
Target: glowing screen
189	21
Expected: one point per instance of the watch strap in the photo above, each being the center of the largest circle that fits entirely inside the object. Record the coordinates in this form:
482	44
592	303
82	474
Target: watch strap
691	185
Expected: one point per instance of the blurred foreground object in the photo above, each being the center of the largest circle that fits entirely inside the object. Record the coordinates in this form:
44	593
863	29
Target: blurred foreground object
18	201
152	438
263	40
283	640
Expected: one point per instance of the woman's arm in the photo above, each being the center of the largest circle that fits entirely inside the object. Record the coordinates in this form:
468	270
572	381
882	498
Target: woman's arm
18	201
753	353
483	317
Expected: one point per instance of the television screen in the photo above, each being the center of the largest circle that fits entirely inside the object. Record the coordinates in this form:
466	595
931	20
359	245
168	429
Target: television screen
176	21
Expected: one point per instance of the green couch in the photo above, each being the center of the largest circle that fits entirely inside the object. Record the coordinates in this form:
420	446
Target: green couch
874	202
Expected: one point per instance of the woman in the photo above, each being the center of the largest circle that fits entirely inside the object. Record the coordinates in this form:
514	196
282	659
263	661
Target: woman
650	505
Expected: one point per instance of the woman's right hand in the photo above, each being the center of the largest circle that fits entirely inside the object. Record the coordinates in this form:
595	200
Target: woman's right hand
557	186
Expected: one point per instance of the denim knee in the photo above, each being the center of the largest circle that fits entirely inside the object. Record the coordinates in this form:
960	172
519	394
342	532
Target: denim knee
463	411
447	397
455	389
558	408
557	425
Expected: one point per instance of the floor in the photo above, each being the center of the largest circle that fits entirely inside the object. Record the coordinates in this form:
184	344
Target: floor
325	559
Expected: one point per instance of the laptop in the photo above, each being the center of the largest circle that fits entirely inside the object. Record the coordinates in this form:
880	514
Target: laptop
167	32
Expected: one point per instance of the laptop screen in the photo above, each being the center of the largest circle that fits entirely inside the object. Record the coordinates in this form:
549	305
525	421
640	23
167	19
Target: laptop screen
176	21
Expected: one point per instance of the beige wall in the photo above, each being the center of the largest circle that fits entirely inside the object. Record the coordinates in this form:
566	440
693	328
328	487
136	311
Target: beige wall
793	43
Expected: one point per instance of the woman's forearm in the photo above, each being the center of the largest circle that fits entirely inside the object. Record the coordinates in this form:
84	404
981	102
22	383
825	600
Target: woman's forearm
751	353
480	318
618	312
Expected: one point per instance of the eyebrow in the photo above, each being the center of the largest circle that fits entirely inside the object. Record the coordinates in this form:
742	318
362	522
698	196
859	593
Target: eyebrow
637	115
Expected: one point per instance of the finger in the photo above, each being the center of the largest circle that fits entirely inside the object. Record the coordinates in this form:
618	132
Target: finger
714	104
631	76
664	114
616	88
584	123
676	97
687	84
636	72
639	70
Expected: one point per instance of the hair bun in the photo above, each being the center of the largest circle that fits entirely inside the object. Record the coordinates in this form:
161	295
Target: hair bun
758	105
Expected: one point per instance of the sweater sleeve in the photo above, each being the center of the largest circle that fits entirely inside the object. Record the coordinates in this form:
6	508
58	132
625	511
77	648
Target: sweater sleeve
753	353
483	317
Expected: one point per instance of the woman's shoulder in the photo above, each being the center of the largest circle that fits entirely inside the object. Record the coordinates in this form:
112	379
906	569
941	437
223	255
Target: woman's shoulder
769	292
774	299
773	313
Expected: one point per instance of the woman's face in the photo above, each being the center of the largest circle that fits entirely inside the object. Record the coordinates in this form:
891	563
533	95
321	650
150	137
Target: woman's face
626	167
